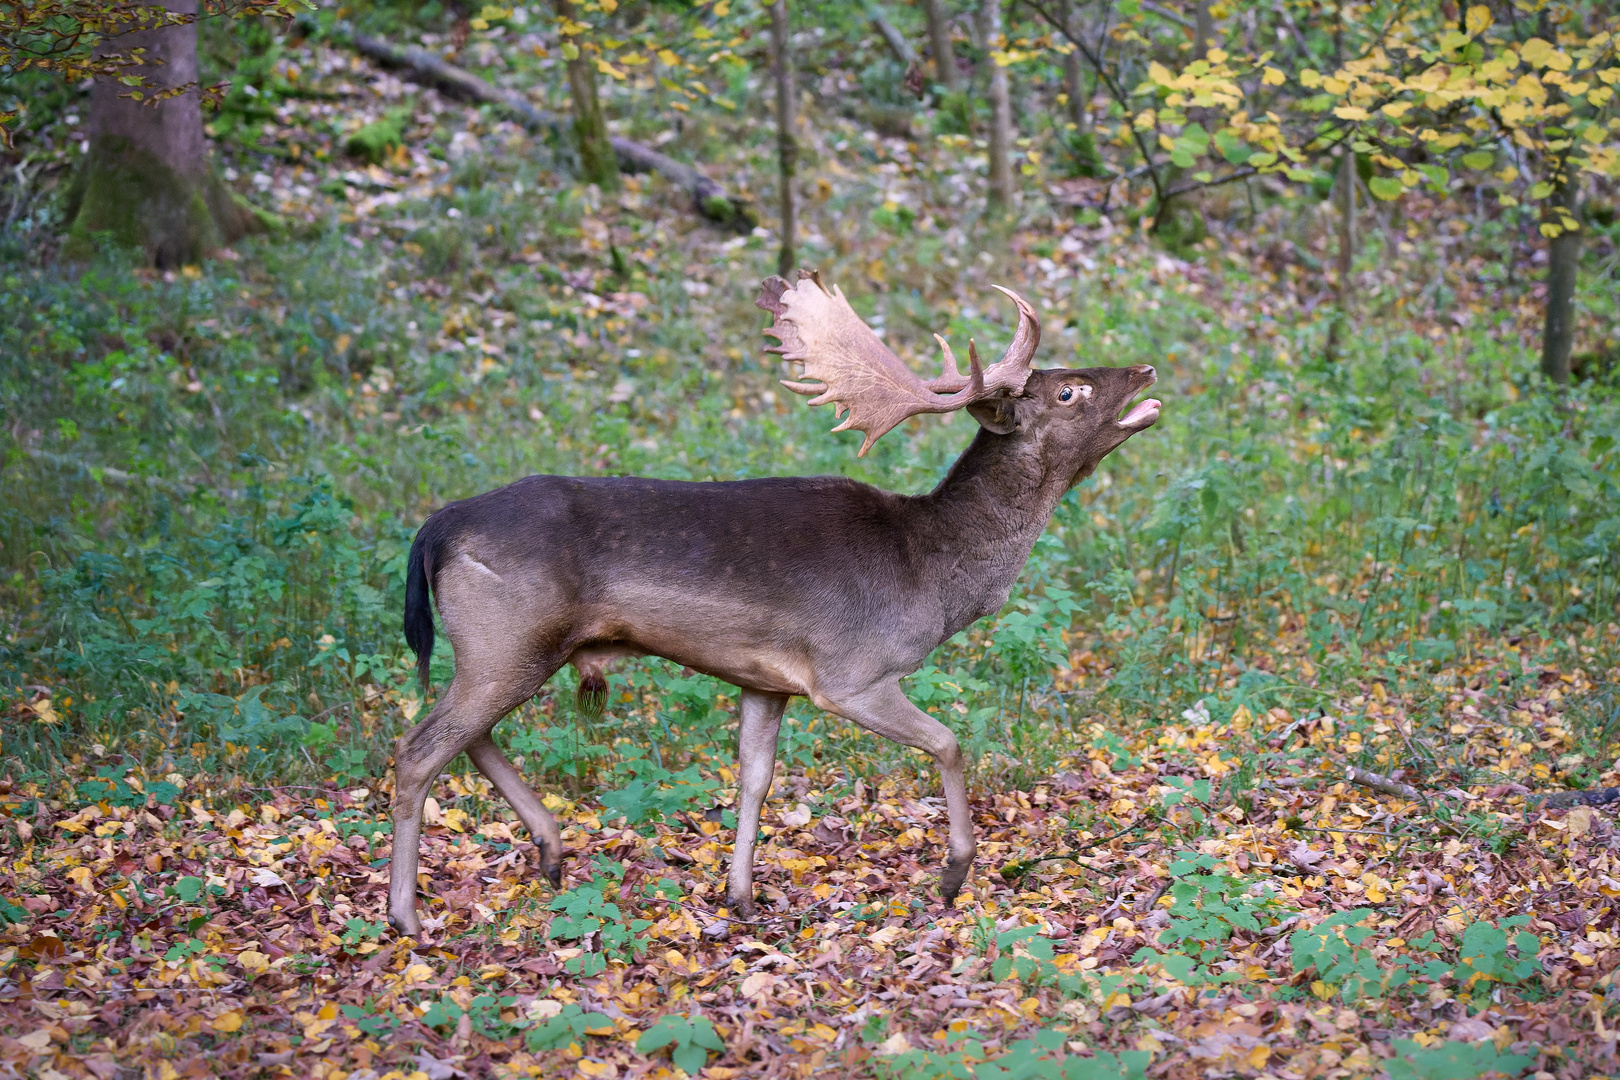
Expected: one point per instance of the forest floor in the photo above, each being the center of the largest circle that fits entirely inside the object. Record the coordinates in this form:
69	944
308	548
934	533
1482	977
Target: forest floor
1183	891
1326	930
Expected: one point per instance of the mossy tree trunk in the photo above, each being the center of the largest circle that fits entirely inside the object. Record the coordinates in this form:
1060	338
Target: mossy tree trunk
146	182
939	42
1563	253
1001	118
597	162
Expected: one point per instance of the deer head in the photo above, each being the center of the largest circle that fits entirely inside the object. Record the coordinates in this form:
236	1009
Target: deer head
1064	421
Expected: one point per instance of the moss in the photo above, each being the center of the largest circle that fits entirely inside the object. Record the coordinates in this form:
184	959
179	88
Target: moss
127	198
373	142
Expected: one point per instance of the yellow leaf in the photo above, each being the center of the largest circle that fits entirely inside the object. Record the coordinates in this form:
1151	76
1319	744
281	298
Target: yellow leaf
895	1044
478	24
1396	109
418	973
593	1068
885	937
228	1022
456	820
668	59
722	9
1579	820
1161	74
253	962
81	876
570	51
757	983
1350	112
1478	20
1258	1056
1535	52
1273	77
608	69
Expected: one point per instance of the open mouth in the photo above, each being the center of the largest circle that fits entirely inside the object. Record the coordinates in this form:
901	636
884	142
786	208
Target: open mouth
1142	414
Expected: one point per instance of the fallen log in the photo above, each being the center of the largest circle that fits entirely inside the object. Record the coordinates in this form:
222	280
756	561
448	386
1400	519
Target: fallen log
708	196
1546	799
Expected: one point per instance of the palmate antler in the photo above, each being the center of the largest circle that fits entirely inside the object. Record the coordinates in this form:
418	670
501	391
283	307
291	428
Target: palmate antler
846	364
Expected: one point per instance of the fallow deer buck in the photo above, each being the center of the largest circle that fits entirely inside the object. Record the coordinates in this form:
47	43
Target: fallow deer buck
815	586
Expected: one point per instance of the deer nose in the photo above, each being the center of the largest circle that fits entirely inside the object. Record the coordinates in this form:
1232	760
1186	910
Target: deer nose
1147	369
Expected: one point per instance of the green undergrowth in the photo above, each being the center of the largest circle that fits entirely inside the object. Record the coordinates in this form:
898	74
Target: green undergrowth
212	479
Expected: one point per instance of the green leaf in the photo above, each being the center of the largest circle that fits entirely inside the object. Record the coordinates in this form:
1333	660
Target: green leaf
1232	148
1541	190
690	1059
187	889
1479	159
1181	158
1452	1061
1382	187
1261	160
654	1038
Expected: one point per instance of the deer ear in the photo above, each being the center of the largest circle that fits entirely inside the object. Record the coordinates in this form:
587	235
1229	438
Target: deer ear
999	416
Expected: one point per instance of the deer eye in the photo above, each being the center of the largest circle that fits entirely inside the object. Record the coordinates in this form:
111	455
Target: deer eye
1066	393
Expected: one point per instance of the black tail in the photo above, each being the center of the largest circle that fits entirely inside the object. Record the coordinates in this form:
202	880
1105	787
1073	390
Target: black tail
419	598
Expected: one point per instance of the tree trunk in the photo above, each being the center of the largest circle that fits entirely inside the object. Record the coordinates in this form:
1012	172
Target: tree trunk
146	181
1347	232
1562	254
597	164
1203	29
1083	144
1001	120
1345	192
939	40
787	149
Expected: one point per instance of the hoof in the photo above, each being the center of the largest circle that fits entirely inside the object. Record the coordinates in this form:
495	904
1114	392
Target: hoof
550	864
743	909
951	882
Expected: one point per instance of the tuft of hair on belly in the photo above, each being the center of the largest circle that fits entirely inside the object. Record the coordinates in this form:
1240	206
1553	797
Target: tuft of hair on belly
590	699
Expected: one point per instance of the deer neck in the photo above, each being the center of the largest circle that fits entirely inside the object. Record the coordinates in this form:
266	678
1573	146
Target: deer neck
982	521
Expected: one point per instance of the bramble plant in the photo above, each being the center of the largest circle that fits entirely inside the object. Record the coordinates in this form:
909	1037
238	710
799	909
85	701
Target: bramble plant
689	1040
585	916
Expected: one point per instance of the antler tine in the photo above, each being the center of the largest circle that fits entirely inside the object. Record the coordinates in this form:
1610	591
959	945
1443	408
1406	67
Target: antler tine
1012	370
848	366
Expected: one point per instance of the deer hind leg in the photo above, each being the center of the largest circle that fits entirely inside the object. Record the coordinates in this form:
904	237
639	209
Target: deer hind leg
761	722
885	710
509	782
470	707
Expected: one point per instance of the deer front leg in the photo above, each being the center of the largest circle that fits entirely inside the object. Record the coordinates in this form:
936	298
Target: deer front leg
761	722
509	782
885	710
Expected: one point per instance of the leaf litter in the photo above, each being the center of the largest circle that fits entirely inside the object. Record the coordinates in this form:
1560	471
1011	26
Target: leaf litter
1302	926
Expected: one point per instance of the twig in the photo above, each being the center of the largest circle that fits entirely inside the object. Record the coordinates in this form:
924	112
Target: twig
711	199
1384	784
1349	832
891	34
1015	870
